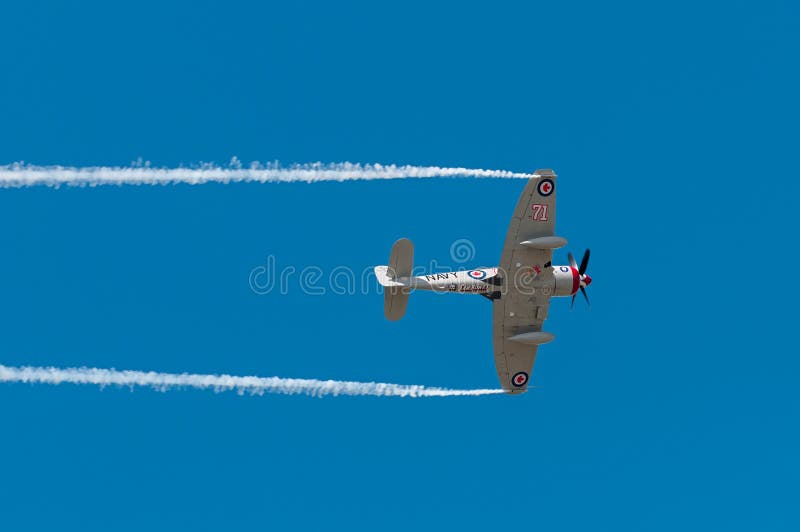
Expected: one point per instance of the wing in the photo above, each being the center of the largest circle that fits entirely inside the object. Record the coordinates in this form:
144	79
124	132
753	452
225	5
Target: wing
523	305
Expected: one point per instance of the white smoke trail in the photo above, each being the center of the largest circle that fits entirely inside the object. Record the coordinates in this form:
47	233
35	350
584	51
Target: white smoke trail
24	175
218	383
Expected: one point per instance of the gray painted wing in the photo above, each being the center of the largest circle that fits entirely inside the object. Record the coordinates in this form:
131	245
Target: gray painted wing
523	305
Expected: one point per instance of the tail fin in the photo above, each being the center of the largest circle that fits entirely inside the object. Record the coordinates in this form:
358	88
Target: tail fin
392	277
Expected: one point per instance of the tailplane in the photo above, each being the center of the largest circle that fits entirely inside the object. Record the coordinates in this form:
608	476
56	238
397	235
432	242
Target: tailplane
394	278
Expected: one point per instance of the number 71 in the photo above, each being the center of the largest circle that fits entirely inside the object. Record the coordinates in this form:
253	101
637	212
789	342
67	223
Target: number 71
539	212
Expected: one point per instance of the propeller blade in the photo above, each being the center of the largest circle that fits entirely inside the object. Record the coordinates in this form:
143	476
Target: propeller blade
572	303
572	260
583	291
584	263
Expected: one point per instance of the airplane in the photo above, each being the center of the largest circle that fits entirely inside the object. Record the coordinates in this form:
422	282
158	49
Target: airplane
520	288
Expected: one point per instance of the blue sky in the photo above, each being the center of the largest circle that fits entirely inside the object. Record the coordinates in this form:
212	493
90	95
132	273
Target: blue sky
670	404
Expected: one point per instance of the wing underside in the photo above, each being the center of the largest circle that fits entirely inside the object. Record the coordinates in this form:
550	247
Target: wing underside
523	305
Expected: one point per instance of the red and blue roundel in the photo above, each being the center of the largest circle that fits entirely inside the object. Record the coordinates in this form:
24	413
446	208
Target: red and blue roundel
546	187
519	379
477	274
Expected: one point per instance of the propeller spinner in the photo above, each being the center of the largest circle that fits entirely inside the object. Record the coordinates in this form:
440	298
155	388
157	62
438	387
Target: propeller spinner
585	279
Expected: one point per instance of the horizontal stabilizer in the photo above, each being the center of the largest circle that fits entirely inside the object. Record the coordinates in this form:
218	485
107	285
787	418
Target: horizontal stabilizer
395	301
401	262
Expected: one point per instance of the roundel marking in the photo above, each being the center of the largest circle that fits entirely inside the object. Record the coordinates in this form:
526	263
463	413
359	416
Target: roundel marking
477	274
546	187
564	269
519	379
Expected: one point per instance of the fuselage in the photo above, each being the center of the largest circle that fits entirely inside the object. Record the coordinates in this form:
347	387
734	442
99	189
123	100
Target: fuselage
552	280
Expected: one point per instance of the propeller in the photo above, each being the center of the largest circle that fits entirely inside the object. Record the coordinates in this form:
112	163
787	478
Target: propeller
585	280
572	260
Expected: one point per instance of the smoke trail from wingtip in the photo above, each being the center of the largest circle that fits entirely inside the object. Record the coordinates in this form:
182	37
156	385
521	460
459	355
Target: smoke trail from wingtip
218	383
24	175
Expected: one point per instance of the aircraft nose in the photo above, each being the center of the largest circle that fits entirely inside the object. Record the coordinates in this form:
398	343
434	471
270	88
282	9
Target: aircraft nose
587	280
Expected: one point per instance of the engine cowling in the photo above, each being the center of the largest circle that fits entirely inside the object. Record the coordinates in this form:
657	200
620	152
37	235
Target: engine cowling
566	280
